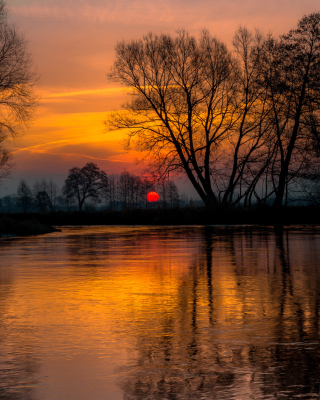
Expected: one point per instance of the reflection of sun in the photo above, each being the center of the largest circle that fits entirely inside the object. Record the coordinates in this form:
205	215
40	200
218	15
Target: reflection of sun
152	196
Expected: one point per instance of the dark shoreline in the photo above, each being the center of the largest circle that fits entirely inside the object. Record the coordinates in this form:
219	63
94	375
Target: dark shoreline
12	225
20	224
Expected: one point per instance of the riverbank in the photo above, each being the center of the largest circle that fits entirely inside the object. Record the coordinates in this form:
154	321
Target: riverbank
18	226
43	222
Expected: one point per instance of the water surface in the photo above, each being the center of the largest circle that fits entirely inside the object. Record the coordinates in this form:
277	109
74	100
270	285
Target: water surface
156	313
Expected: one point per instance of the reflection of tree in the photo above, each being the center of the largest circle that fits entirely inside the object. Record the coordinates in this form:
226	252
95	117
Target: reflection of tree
291	327
245	324
208	251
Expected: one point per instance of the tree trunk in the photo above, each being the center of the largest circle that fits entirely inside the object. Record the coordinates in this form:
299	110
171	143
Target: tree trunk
210	202
281	187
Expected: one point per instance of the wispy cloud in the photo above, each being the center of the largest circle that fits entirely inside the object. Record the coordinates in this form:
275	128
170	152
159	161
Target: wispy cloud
168	14
123	11
91	92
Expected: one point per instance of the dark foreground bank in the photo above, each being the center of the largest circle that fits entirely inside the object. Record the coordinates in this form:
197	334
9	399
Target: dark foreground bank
37	223
18	225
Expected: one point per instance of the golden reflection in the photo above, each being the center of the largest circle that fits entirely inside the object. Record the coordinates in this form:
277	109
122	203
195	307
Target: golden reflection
18	364
160	313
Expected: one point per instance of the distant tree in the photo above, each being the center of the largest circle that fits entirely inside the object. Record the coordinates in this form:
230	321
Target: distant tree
147	185
110	192
173	194
41	196
60	203
43	201
53	194
124	186
9	203
168	192
85	183
130	189
17	78
6	163
24	196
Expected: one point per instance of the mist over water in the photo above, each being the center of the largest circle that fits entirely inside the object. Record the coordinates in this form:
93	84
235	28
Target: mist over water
140	313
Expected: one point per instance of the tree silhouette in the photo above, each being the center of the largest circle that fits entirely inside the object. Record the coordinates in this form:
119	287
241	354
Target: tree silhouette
239	124
24	196
182	103
292	80
17	78
85	183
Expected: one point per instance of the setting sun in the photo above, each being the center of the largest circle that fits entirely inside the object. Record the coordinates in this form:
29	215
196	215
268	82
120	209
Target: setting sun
152	197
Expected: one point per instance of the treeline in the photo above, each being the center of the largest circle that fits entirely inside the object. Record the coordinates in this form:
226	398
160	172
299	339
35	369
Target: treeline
89	188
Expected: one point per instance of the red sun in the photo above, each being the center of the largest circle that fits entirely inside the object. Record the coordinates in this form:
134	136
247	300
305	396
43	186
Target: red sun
152	197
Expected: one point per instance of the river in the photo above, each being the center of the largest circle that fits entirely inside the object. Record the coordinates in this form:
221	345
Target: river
150	313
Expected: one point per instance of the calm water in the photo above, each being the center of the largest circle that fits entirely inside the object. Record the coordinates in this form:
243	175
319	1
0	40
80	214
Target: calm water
134	313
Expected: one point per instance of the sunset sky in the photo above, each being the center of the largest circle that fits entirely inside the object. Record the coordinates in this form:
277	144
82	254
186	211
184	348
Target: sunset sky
72	44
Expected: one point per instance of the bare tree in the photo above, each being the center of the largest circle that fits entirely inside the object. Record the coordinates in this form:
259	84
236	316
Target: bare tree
292	78
239	125
147	185
168	192
84	183
110	192
247	154
17	78
130	190
24	196
6	163
41	196
53	194
125	189
182	103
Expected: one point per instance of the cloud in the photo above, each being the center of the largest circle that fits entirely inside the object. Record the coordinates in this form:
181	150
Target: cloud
94	151
60	141
123	11
127	11
147	12
89	92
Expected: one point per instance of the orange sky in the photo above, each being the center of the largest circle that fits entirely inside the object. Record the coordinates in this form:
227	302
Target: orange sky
72	43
